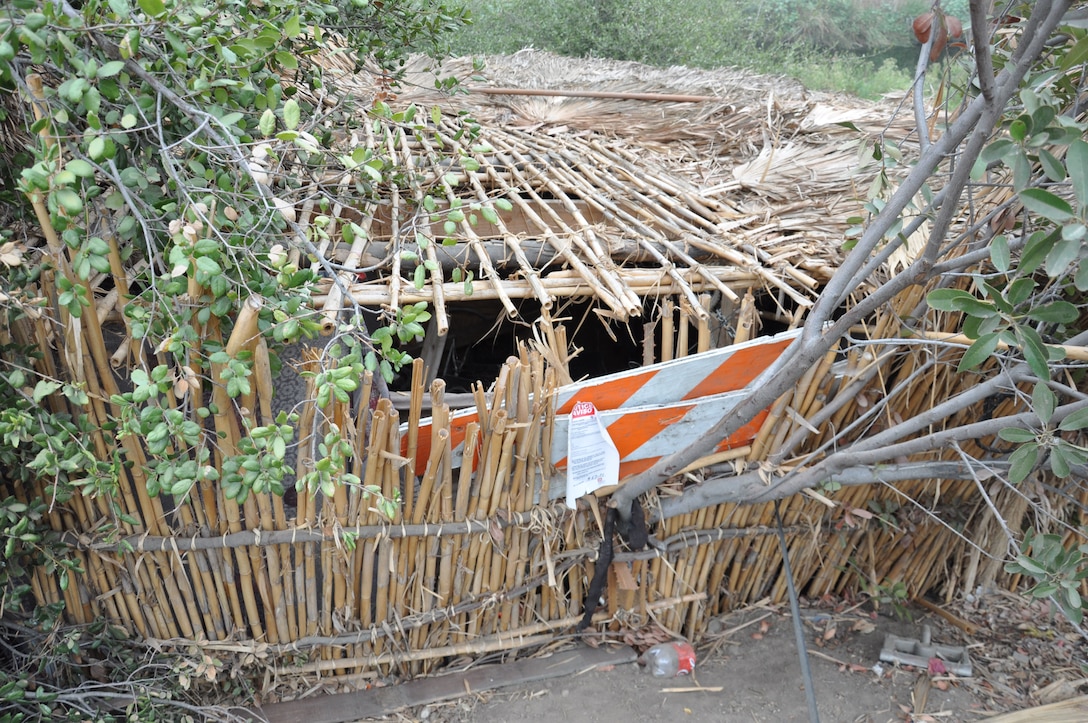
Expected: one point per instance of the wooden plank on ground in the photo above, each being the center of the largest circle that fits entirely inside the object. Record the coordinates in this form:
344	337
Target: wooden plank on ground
1074	710
384	701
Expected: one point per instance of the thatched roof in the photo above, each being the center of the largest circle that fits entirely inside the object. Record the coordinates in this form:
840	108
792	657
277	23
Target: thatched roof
750	185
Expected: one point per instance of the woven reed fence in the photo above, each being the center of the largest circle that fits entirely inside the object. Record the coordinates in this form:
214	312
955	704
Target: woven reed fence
479	558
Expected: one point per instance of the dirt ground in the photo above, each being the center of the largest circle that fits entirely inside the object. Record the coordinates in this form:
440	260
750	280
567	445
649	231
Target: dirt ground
748	670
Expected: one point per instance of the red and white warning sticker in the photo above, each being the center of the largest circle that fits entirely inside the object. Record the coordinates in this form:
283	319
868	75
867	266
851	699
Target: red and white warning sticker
592	458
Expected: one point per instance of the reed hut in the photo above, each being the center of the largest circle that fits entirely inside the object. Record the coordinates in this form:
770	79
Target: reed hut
646	216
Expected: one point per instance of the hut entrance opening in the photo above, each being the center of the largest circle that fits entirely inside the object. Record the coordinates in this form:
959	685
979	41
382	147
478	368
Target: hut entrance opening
482	337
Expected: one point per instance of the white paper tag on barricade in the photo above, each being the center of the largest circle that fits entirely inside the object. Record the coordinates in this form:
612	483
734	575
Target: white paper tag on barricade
592	459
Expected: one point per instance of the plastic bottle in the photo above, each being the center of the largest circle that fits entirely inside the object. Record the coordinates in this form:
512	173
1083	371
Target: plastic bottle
668	660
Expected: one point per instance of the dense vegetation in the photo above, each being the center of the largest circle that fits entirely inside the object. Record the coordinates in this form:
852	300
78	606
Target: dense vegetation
863	47
144	141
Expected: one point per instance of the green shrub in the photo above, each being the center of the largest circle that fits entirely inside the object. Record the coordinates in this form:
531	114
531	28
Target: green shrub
848	74
842	25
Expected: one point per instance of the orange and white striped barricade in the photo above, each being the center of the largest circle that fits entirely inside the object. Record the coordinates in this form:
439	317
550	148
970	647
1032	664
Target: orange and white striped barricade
650	411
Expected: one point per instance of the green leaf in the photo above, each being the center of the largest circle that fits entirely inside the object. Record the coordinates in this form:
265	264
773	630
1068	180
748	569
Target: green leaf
287	60
1034	350
69	200
43	389
80	168
1016	434
1036	250
208	265
97	148
1030	566
959	300
1076	55
944	299
980	351
1046	204
267	124
503	204
1059	465
1073	604
328	487
228	55
1052	167
999	253
292	27
1022	461
373	173
1021	171
1019	290
1076	159
1043	401
489	215
996	151
291	114
1074	231
995	296
154	8
1018	130
35	21
110	69
1075	455
1058	312
1076	420
231	119
1064	253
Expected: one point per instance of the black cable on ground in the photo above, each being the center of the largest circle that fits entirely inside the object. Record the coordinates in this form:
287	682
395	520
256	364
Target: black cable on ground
798	630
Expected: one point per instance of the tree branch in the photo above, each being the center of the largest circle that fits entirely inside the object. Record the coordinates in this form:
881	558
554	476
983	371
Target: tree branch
920	125
750	487
980	39
978	119
830	468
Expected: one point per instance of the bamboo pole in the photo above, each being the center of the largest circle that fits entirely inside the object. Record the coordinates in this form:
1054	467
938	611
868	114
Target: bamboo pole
668	342
415	406
453	554
703	325
555	92
271	514
416	551
683	331
90	331
642	283
244	334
